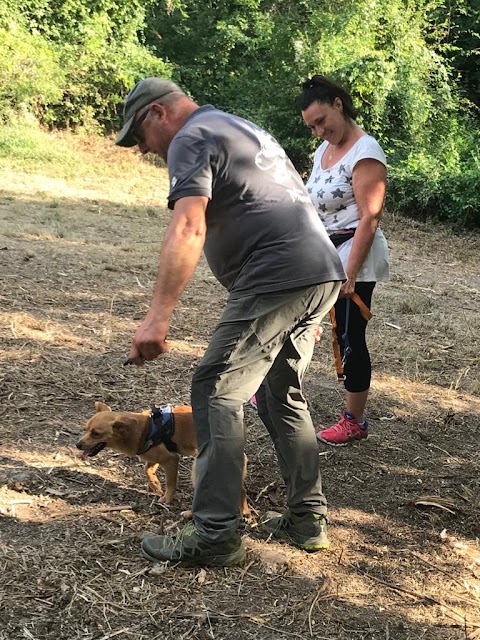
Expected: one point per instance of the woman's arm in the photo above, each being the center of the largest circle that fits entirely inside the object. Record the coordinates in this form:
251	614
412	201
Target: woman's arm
369	186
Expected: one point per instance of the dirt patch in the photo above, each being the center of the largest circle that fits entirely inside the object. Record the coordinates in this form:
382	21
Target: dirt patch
78	261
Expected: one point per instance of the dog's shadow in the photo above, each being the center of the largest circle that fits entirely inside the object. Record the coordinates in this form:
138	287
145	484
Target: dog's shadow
79	488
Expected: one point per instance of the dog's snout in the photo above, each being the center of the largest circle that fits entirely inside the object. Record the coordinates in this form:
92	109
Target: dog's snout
79	444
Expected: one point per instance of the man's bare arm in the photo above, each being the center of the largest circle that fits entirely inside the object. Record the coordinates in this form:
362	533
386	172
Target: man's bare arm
179	255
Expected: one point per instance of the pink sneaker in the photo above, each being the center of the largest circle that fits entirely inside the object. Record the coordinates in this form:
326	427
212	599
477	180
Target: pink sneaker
253	402
345	431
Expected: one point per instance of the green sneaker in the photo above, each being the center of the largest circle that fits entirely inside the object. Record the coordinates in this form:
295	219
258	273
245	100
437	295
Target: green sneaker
189	549
307	531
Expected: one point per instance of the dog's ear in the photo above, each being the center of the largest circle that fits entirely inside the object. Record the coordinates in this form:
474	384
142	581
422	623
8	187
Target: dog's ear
100	406
125	422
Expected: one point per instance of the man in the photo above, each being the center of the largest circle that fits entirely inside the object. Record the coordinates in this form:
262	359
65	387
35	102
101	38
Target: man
235	195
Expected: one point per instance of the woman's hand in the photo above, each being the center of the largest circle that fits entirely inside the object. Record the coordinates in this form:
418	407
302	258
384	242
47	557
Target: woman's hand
347	288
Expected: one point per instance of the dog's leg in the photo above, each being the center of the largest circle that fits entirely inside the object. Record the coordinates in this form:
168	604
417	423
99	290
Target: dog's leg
188	515
171	472
245	509
194	472
151	471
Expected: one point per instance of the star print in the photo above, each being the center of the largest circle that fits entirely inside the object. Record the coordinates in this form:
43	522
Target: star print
309	189
322	207
335	219
341	169
320	193
317	179
342	207
348	179
329	179
338	193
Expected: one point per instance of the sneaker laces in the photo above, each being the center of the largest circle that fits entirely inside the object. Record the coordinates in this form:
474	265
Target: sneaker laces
187	530
282	520
341	424
345	425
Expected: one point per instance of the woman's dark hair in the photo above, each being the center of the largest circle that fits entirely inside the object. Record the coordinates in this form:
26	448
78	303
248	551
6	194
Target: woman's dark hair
320	89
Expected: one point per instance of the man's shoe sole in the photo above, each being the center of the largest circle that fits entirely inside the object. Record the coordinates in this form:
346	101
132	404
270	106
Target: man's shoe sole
281	534
310	544
227	560
323	546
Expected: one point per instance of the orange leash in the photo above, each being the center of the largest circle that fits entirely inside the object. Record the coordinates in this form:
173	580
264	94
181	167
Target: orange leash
364	310
366	313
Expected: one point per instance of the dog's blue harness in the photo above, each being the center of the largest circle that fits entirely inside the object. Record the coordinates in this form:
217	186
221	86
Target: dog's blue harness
162	428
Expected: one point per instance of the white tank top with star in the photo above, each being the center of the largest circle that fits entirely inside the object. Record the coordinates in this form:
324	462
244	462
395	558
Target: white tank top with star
331	192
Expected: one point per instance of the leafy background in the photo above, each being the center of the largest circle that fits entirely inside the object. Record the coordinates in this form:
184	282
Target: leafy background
412	67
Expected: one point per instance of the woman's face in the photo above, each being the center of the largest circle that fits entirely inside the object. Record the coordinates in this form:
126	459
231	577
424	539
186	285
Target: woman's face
326	120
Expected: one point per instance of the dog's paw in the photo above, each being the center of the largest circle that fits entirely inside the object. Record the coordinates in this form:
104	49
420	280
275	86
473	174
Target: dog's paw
249	518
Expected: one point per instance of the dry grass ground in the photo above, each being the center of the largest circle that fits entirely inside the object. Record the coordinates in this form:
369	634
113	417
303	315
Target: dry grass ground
78	254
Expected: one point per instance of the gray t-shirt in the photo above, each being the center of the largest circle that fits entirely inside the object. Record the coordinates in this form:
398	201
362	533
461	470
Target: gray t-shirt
263	233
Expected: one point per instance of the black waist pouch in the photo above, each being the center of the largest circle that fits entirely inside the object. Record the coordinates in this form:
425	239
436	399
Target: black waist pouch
341	236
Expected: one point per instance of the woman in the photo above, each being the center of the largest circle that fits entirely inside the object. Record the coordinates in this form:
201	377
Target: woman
347	186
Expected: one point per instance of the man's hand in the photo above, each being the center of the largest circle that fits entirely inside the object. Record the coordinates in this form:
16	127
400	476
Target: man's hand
149	341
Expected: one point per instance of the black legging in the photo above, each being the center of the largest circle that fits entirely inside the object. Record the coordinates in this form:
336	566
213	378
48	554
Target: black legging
358	368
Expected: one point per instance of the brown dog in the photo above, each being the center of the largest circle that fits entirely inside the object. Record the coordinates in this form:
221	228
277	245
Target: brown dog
133	434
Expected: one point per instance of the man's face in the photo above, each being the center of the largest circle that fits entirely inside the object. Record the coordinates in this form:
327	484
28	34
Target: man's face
152	131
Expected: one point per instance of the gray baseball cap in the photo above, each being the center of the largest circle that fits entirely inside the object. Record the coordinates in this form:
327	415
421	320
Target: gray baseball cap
143	93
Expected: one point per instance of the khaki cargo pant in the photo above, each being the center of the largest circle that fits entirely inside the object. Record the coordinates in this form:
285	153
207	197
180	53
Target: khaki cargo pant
268	338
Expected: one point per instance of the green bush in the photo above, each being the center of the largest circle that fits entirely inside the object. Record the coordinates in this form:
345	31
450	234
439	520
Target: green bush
26	146
250	57
442	182
97	77
70	62
450	197
31	76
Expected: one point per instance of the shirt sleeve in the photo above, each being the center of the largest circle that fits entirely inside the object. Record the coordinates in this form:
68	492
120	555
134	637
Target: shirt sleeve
189	168
368	147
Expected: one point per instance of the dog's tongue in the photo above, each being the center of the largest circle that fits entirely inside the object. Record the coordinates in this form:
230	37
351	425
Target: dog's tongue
83	455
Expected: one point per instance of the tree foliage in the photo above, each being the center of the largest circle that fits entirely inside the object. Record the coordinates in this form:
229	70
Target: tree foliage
455	34
84	56
250	56
30	73
411	65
